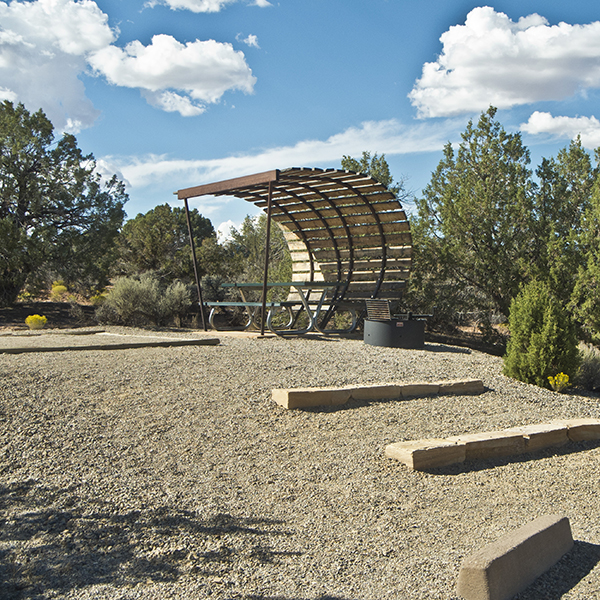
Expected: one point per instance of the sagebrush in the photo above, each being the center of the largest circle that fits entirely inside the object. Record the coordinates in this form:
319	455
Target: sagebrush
143	300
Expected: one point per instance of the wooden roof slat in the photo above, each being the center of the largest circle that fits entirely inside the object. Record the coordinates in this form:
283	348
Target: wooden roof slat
307	219
339	231
318	201
372	265
298	212
364	276
399	252
361	286
350	220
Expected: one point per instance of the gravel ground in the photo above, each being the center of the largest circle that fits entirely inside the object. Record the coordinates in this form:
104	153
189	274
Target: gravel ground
170	474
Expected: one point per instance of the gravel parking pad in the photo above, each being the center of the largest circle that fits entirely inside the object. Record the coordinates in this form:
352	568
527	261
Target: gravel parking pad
170	473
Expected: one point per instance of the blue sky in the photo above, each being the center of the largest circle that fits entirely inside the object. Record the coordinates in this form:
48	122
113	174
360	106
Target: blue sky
174	93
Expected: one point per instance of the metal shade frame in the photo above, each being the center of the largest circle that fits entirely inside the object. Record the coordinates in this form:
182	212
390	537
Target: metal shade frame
346	226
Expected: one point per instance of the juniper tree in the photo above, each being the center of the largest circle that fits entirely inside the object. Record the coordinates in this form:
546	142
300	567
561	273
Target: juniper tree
58	218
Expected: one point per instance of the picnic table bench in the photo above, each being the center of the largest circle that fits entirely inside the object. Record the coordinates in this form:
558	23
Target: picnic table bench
348	237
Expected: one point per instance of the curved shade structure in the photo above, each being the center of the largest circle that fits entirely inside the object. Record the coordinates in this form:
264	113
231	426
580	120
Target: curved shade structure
339	225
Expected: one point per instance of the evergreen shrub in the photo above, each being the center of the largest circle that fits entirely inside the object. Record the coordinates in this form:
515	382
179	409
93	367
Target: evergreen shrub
542	339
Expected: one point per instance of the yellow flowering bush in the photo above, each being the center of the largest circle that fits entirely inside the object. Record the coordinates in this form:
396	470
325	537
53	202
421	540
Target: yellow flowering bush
98	299
559	383
59	291
36	321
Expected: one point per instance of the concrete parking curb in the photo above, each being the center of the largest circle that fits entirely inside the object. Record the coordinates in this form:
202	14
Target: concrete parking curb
508	566
311	397
426	454
117	346
433	453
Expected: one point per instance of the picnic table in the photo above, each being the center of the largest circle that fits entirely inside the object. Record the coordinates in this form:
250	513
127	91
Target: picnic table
313	306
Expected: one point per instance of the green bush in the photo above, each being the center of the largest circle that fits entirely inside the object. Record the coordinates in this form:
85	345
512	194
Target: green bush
134	300
588	376
175	302
212	291
542	337
107	314
141	301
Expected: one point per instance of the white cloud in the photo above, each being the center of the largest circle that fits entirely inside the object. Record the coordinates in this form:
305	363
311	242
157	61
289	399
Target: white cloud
251	40
491	60
201	6
224	230
173	102
154	178
9	95
56	25
200	72
43	45
565	127
197	6
385	137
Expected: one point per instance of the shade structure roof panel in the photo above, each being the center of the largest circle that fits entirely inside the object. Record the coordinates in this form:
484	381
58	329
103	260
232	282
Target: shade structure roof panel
332	216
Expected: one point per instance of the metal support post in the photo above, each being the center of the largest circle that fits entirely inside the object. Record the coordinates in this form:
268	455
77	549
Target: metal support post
267	246
195	262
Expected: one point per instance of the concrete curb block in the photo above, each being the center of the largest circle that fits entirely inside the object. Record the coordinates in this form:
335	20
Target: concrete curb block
119	346
310	397
506	567
426	454
580	430
543	436
490	444
433	453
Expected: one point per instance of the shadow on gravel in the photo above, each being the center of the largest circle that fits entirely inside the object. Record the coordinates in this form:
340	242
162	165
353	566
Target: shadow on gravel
565	574
429	347
53	541
483	465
